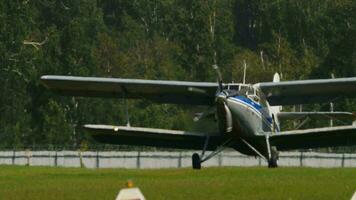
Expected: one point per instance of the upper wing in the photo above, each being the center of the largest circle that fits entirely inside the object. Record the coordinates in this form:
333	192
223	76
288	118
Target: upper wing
307	91
153	137
314	138
179	92
317	115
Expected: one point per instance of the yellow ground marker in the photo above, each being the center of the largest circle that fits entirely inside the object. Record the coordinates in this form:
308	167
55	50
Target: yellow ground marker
130	193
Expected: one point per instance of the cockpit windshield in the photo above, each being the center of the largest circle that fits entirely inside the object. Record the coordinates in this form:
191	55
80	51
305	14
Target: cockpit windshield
247	91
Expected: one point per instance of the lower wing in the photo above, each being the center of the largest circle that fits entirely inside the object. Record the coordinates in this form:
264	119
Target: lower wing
153	137
314	138
316	115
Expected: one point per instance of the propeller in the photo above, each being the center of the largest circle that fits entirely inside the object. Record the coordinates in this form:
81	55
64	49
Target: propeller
211	111
221	109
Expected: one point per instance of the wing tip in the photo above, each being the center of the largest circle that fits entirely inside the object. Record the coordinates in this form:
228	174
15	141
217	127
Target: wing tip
45	77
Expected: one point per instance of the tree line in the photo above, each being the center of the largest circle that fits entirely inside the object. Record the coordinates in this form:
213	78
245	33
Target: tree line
157	39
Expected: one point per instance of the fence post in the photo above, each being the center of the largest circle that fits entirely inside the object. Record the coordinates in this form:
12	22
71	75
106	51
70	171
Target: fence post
138	163
220	159
55	159
81	159
301	159
259	161
343	160
180	160
13	157
97	159
28	155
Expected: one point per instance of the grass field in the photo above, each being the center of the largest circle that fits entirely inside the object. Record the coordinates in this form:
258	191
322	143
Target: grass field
210	183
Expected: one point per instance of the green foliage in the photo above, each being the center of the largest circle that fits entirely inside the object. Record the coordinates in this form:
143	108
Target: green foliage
56	129
167	39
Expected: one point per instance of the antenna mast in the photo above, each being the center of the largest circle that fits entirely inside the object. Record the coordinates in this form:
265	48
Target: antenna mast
245	66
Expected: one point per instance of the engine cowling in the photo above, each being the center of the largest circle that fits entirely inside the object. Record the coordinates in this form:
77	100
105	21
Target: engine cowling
224	118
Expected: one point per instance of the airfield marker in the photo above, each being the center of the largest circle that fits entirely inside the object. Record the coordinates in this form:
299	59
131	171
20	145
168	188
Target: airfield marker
353	197
130	193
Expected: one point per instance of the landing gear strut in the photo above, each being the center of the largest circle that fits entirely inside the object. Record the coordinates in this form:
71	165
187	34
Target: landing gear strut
272	161
272	154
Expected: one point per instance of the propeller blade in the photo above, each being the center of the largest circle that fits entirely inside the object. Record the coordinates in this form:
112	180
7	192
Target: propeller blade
220	82
209	113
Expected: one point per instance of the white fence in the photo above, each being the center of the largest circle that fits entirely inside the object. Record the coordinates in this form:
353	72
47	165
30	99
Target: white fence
159	159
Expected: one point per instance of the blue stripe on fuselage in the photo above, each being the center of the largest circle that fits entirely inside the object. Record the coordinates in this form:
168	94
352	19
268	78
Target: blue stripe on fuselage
256	107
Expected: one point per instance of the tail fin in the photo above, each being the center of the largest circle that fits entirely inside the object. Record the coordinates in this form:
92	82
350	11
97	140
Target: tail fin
276	77
274	110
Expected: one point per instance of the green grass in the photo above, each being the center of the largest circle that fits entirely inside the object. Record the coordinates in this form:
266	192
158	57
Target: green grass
209	183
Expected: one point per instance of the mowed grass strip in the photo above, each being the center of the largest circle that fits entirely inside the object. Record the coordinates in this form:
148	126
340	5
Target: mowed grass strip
20	182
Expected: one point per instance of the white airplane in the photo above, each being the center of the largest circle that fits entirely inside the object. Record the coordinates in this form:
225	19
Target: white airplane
248	115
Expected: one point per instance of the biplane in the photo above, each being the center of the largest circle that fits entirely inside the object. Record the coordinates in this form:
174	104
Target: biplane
248	115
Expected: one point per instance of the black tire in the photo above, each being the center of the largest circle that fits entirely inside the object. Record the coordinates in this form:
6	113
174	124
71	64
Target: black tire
272	163
196	161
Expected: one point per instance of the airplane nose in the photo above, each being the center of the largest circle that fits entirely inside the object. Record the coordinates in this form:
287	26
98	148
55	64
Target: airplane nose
224	114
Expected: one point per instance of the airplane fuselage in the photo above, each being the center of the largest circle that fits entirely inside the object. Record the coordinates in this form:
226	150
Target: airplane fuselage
251	116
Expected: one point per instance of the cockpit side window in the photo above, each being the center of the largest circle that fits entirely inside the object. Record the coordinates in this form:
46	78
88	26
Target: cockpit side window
252	94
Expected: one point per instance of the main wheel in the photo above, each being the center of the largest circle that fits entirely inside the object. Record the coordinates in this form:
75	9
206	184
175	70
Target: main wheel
196	161
272	163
